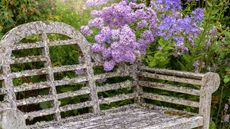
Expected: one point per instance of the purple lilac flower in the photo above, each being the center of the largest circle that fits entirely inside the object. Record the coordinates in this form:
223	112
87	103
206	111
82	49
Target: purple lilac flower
109	65
166	5
96	13
226	106
106	31
97	22
86	30
92	3
226	118
97	48
198	14
100	38
106	54
117	42
142	23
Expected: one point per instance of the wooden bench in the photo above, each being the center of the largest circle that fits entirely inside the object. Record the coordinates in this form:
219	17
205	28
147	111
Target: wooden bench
137	110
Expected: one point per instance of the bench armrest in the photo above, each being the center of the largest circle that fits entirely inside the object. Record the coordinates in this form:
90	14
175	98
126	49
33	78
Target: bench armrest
210	82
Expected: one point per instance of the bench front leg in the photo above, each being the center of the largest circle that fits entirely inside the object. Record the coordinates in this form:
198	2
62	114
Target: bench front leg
210	83
11	118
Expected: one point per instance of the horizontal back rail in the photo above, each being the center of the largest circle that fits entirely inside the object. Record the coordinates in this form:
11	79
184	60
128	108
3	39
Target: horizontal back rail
171	76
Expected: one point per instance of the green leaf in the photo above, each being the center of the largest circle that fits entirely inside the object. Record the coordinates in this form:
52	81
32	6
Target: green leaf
212	125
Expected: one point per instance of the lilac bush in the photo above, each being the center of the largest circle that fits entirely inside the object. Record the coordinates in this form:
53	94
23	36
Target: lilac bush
126	29
116	41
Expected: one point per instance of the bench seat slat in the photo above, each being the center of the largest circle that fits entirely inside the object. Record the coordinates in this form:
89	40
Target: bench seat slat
117	98
170	99
126	117
169	87
171	78
182	123
108	87
68	68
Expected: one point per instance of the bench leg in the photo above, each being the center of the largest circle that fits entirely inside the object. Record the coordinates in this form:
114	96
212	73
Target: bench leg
12	119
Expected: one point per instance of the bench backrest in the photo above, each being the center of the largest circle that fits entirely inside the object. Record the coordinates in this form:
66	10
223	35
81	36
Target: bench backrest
12	41
193	90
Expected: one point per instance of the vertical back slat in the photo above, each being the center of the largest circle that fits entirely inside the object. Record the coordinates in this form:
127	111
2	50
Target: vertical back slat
50	76
9	87
92	84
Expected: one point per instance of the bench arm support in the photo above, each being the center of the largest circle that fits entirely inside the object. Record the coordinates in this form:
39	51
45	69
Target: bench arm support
210	83
11	118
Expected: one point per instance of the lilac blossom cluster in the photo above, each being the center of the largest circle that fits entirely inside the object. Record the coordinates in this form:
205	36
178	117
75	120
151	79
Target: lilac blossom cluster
117	41
174	26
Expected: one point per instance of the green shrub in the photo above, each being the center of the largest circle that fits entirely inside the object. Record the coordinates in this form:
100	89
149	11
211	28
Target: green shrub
15	12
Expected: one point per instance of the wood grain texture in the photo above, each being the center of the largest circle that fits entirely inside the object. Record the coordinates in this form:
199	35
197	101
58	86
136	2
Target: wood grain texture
131	117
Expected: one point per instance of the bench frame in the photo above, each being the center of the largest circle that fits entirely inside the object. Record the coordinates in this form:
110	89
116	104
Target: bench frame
209	82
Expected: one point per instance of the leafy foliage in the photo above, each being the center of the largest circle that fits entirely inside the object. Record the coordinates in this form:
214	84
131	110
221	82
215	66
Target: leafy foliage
15	12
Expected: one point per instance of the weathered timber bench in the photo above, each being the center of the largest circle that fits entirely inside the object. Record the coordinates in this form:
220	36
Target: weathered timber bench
137	111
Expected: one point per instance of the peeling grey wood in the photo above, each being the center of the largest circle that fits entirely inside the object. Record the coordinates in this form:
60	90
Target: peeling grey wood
210	83
32	86
168	110
91	82
50	76
170	99
117	98
50	111
116	86
21	46
130	117
171	78
12	119
169	87
27	73
183	123
38	99
44	112
67	81
173	73
28	59
68	68
134	72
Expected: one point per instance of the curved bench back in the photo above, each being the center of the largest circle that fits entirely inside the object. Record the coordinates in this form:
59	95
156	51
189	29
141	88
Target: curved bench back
49	98
12	42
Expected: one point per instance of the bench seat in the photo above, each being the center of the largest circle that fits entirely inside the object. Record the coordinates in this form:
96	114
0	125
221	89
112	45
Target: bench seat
131	117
